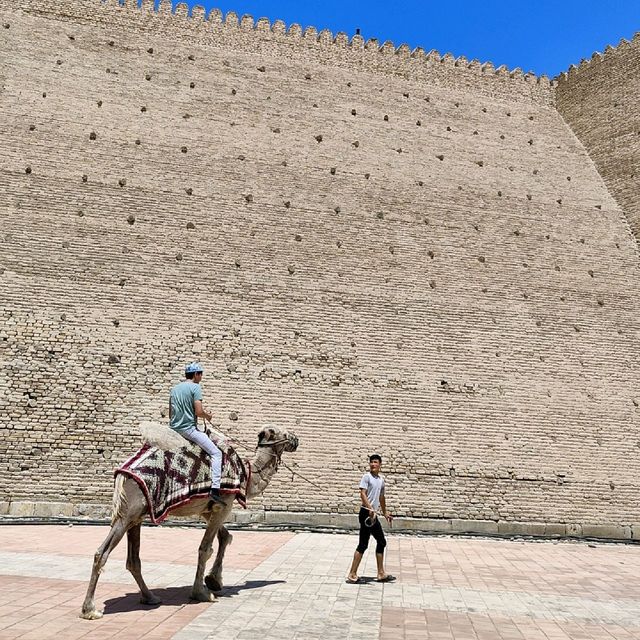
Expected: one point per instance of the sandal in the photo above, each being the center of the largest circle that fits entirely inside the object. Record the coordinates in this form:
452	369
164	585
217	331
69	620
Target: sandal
352	581
387	578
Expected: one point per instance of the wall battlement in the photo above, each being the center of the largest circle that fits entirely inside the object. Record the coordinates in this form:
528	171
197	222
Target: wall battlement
610	55
401	60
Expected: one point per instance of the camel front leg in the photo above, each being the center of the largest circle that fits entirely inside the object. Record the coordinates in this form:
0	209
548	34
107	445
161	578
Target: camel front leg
114	536
135	567
214	579
200	591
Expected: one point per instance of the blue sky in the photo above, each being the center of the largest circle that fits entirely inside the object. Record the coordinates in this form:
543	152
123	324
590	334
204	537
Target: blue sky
542	36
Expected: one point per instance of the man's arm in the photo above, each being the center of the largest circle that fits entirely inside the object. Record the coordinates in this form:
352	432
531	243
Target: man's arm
200	412
365	501
383	504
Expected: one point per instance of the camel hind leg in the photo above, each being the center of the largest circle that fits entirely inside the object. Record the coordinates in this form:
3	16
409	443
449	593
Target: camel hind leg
129	507
118	529
135	567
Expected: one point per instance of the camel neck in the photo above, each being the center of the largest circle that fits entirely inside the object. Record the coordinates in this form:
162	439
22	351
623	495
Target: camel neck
263	467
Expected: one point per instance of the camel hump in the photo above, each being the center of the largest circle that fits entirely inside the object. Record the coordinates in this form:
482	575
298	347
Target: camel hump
160	435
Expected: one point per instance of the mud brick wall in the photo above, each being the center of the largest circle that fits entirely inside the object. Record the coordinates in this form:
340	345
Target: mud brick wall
380	249
599	99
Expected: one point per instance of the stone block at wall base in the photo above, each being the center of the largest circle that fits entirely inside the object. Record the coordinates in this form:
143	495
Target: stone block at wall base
52	509
4	508
554	530
524	529
92	511
614	532
21	509
487	527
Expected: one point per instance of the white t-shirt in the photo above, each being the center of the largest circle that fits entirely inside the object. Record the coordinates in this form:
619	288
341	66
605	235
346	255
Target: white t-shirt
374	485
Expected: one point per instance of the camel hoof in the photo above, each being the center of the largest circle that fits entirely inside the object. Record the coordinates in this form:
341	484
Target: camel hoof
152	600
213	584
203	596
94	614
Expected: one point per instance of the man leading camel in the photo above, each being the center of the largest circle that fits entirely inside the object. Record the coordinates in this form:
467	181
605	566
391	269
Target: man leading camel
185	407
372	497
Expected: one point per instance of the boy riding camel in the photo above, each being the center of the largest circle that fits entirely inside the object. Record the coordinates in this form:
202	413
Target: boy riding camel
185	407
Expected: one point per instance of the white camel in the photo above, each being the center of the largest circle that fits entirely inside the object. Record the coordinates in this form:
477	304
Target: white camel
130	509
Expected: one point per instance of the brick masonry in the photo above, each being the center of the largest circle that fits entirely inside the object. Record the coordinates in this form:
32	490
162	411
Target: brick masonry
377	248
599	100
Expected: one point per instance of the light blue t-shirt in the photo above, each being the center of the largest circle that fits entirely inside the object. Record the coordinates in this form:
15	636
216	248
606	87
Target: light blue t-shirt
183	415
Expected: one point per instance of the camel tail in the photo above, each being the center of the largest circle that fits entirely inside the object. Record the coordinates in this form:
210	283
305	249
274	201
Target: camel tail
119	497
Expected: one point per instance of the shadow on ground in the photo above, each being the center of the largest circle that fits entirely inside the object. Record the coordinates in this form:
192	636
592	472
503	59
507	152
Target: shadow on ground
176	596
170	596
249	584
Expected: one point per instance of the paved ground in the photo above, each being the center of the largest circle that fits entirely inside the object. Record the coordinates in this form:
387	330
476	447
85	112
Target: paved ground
283	585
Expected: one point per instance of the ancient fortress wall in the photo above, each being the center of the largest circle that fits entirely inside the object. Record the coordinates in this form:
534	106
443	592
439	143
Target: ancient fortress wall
382	250
599	99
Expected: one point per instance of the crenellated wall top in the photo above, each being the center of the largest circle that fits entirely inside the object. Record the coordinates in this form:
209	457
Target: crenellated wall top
355	50
610	54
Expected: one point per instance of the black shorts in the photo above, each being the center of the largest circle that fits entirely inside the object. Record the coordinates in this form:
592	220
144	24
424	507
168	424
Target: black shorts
366	532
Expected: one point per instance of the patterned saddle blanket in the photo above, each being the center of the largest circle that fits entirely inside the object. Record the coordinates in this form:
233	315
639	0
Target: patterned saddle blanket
170	478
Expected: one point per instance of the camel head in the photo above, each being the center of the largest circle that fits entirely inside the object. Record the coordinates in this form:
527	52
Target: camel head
278	440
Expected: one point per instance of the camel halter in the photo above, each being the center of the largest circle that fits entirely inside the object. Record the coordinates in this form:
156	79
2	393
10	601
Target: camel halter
263	444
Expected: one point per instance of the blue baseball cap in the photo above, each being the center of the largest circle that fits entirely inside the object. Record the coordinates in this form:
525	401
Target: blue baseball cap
193	367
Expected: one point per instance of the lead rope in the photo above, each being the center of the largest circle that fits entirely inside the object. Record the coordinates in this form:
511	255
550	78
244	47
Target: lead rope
369	521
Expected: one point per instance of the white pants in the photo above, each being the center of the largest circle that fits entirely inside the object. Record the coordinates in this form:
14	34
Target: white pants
203	441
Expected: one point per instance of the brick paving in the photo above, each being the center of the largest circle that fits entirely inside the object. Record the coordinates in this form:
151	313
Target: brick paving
284	585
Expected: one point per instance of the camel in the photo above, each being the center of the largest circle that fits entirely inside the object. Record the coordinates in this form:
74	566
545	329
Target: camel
130	508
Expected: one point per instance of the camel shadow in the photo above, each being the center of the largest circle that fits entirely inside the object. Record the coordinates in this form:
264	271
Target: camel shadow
171	596
248	584
176	596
